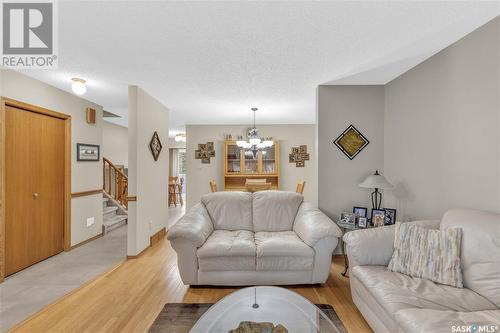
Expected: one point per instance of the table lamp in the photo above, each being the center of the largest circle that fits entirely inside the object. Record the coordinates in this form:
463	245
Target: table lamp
376	181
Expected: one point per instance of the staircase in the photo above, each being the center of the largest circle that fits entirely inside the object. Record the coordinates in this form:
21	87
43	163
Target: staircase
114	216
115	196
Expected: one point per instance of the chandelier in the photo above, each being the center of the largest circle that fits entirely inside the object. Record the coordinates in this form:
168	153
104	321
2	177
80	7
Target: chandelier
254	142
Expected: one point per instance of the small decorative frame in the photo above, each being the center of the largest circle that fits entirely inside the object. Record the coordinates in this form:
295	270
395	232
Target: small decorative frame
390	216
298	156
155	146
351	142
87	152
204	152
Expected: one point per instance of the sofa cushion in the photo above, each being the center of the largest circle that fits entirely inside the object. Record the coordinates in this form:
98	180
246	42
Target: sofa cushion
438	321
275	210
225	243
229	210
480	255
227	250
281	251
427	253
396	291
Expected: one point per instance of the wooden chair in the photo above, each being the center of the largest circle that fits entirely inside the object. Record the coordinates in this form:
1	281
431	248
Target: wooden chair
213	185
172	179
254	185
300	187
172	195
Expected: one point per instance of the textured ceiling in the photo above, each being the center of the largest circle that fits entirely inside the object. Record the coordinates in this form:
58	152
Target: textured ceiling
210	62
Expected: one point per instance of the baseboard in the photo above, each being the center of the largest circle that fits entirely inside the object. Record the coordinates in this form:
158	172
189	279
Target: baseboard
157	236
86	241
139	254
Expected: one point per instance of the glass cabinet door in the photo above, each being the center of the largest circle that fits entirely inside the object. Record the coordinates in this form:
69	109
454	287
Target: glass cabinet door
269	160
251	162
233	159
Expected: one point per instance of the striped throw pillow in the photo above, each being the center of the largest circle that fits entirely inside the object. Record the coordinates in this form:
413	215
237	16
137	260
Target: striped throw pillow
428	253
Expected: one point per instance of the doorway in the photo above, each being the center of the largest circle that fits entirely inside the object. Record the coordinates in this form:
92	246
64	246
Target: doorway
35	191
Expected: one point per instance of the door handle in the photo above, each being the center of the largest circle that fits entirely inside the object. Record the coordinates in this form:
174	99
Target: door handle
35	195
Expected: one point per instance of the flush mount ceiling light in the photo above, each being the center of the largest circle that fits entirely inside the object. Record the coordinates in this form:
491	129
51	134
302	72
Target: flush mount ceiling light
254	141
78	86
181	137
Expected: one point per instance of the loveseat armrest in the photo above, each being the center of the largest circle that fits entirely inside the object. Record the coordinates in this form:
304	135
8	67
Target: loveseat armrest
195	226
312	225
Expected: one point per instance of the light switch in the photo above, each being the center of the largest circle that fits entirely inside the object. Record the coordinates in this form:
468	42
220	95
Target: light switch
90	221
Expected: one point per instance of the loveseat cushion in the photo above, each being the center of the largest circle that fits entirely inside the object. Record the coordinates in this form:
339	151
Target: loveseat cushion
227	250
229	210
480	255
438	321
396	291
275	210
282	251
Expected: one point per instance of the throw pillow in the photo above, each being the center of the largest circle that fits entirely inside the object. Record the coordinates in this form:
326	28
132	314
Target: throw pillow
428	253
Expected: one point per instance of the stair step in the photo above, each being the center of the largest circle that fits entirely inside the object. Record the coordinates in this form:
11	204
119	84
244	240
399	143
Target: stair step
115	222
109	209
104	199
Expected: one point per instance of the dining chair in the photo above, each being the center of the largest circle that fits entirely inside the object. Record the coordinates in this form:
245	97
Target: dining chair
213	185
300	187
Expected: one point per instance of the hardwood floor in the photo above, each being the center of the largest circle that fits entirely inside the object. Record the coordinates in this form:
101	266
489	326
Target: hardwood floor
129	297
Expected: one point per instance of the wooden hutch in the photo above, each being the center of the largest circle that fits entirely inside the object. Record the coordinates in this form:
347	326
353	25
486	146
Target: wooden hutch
241	164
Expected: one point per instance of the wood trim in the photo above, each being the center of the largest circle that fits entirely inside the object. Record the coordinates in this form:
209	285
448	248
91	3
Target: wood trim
67	171
134	198
86	241
158	236
139	254
85	193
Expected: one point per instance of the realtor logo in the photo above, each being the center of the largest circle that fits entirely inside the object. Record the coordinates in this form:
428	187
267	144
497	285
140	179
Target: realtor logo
29	34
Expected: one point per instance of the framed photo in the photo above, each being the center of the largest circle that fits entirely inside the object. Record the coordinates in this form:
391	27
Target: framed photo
202	146
303	149
360	211
300	164
362	222
197	154
87	152
378	217
295	150
348	218
390	216
351	142
205	160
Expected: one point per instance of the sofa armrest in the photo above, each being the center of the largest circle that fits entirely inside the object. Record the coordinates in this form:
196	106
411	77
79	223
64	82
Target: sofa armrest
369	246
374	246
195	226
312	225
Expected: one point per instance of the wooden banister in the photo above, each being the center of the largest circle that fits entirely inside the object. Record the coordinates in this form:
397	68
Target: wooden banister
116	182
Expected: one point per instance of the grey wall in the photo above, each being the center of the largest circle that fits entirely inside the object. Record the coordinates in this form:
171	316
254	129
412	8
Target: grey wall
442	129
339	107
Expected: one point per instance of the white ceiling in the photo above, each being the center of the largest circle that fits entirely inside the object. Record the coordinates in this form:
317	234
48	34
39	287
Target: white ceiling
210	62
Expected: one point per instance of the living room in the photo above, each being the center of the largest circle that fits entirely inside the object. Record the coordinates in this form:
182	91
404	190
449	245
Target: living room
253	167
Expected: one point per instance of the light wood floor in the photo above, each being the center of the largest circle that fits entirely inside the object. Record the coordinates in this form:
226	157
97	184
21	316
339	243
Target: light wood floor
129	297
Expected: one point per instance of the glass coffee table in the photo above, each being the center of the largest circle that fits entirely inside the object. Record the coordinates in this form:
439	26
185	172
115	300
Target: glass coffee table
264	304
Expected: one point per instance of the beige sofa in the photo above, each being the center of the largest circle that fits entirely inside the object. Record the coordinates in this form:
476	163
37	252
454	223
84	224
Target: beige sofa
264	238
393	302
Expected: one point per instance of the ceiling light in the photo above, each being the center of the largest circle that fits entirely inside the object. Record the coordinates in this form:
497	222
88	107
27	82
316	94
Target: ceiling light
254	142
78	86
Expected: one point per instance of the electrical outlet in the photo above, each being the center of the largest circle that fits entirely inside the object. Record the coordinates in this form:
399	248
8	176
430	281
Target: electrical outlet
90	221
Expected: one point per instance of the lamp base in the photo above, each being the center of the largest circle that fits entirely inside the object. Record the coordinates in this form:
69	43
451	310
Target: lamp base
376	199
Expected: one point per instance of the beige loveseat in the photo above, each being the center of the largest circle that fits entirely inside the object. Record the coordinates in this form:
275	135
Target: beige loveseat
393	302
261	238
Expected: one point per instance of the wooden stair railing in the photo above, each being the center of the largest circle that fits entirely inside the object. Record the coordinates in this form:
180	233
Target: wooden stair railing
115	182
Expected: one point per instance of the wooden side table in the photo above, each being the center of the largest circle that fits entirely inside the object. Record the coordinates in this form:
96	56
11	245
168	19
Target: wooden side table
346	227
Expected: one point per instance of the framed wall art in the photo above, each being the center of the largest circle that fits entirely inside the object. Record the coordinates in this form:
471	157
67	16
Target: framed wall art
351	142
87	152
155	146
204	152
298	156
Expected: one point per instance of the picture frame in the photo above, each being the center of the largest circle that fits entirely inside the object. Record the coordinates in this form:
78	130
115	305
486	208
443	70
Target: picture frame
378	217
349	218
155	146
360	211
351	142
390	216
362	222
87	152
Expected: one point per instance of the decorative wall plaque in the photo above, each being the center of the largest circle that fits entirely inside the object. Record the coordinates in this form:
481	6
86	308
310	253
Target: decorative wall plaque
204	152
351	142
298	156
155	146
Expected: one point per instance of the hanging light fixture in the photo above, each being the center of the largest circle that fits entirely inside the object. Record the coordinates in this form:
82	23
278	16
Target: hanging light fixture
254	142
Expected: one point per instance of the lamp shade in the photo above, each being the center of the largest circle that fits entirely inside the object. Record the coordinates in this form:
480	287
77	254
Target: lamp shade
376	181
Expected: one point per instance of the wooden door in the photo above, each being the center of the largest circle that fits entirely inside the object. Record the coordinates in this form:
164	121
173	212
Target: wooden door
34	187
